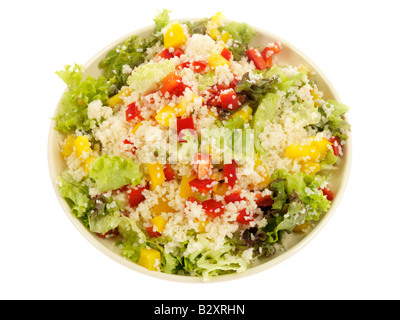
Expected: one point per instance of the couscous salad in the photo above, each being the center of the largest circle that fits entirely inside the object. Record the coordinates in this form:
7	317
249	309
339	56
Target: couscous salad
196	152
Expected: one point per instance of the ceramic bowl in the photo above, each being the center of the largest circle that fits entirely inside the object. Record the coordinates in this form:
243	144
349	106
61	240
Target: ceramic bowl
288	55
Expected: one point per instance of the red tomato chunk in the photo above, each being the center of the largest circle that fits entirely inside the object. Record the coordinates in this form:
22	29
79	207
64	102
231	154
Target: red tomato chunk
230	173
244	217
132	112
213	208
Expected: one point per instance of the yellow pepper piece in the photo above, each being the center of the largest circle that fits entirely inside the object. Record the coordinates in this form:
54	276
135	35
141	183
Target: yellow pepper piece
310	167
214	33
244	113
68	147
150	259
156	173
118	98
316	94
159	222
174	37
181	108
220	189
314	151
322	145
82	146
215	22
262	171
217	19
135	128
87	163
185	190
161	206
165	115
202	225
302	227
226	36
216	60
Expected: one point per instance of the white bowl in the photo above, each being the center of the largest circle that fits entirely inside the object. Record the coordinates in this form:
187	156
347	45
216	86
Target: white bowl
288	55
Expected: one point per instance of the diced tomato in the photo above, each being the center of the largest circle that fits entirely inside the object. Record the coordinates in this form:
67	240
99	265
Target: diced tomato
226	54
202	165
184	123
179	90
109	234
203	186
170	82
213	208
126	141
270	50
328	193
244	217
254	55
183	65
136	196
178	52
169	172
336	146
229	99
233	197
230	173
199	66
264	201
214	99
165	54
216	90
132	112
151	232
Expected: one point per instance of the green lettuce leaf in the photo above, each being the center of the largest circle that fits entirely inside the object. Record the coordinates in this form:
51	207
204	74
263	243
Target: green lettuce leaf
307	188
294	215
106	217
111	173
206	80
72	114
265	112
161	19
148	77
131	52
197	26
242	34
256	90
208	263
334	119
285	85
77	196
134	239
240	31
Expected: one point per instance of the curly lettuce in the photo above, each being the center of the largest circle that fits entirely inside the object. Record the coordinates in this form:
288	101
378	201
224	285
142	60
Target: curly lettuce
111	173
76	195
72	114
132	53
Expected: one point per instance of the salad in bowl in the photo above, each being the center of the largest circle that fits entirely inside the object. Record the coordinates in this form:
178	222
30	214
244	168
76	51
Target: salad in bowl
198	152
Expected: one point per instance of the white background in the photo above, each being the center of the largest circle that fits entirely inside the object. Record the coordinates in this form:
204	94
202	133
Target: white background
357	254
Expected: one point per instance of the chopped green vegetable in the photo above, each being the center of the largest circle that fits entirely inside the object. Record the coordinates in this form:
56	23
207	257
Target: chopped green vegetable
147	77
77	196
161	19
72	114
265	112
111	173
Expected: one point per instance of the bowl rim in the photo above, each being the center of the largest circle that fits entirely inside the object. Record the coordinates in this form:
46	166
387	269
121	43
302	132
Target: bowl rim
275	260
